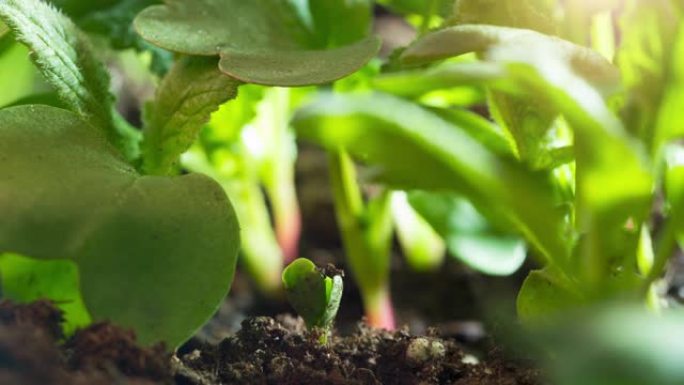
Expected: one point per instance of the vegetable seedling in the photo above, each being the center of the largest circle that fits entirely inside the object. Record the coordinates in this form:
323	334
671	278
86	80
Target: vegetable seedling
314	293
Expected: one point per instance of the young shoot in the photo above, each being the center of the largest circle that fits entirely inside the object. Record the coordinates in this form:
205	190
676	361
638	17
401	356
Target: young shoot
314	293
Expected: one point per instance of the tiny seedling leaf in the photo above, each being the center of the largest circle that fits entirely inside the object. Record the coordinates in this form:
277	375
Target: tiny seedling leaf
314	295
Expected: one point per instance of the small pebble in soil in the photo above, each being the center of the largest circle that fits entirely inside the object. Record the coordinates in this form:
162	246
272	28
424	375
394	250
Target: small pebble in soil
422	350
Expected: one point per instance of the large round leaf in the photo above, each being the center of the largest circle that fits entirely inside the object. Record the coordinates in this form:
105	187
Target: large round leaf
259	41
154	253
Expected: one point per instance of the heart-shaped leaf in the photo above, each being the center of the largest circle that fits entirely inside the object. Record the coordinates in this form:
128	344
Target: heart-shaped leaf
259	41
154	253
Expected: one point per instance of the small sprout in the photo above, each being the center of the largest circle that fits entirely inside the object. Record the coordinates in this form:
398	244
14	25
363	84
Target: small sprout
314	293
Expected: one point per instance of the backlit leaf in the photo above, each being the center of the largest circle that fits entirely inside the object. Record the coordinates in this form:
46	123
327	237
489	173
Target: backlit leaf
189	93
411	148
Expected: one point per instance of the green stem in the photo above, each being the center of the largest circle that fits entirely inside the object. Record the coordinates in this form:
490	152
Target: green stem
278	170
261	254
427	16
366	235
667	244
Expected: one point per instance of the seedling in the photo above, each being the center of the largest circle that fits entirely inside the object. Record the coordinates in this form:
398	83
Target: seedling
314	293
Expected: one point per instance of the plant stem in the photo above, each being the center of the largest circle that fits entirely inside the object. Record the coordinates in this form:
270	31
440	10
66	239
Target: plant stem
366	234
261	254
666	247
278	169
427	16
287	217
379	310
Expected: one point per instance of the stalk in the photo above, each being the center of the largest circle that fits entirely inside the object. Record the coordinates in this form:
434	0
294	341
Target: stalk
366	235
277	171
261	254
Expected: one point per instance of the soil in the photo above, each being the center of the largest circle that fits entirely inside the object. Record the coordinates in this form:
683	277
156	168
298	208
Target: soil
265	351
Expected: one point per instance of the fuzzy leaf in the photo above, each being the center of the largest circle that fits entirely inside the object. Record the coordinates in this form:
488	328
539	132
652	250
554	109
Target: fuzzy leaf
190	92
65	57
264	42
156	254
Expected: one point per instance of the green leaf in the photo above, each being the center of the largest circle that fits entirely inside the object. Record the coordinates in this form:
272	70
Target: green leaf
419	7
17	75
4	30
190	92
423	248
614	181
147	248
327	20
264	42
504	44
651	61
531	14
314	295
415	83
27	280
115	23
412	148
544	296
618	345
469	237
65	58
478	127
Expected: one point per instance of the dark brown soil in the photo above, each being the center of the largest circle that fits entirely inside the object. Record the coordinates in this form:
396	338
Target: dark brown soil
32	352
265	351
268	351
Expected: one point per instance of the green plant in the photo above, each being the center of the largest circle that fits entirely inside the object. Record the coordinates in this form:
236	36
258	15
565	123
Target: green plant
94	206
315	293
570	160
536	127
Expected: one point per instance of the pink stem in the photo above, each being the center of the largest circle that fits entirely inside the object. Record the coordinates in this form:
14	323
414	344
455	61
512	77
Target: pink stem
379	311
288	230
